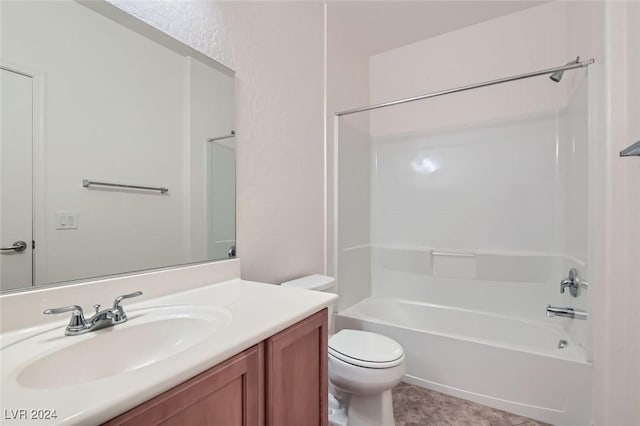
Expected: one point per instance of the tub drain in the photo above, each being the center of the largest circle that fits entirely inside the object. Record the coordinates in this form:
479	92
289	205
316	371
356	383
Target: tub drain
562	344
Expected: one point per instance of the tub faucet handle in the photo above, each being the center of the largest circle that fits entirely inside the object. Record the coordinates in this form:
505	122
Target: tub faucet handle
574	283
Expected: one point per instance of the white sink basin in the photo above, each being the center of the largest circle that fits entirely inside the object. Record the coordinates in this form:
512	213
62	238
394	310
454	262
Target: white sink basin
149	336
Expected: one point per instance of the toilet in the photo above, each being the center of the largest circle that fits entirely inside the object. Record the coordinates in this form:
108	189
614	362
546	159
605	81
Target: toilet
363	368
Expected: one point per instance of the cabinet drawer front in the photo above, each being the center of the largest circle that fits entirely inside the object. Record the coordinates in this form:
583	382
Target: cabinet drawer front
229	394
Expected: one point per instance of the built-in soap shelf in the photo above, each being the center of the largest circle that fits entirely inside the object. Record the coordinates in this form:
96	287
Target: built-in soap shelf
454	264
482	265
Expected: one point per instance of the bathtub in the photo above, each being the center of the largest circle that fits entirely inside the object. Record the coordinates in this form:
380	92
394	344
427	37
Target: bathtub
499	361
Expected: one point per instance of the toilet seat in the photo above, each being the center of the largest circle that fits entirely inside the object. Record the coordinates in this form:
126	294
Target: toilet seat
365	349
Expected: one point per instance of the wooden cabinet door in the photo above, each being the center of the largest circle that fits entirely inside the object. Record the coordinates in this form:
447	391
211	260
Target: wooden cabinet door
229	394
296	374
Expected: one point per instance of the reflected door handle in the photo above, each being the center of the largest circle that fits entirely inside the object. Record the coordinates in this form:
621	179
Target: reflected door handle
17	246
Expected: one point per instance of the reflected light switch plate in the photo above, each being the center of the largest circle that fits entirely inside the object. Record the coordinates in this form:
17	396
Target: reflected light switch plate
66	219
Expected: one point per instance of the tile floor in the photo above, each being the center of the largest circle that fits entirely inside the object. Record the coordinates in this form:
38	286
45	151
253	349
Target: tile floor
415	406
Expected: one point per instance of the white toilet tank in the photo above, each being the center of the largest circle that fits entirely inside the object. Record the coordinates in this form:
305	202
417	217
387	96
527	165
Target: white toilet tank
316	282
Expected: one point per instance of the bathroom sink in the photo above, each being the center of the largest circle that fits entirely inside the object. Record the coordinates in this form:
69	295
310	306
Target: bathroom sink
150	336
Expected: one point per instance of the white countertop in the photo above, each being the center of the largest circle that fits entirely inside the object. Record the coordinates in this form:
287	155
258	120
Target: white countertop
256	310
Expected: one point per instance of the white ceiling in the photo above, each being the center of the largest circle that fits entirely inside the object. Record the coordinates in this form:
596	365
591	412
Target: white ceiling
377	26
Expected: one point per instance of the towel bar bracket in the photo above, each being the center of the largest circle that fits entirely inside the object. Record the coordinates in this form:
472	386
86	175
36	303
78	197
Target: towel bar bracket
632	150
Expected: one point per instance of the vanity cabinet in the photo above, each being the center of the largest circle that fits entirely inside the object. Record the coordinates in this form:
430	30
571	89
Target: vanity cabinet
281	381
296	374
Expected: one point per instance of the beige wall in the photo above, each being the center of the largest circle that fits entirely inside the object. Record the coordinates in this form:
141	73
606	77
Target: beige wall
616	399
276	49
508	45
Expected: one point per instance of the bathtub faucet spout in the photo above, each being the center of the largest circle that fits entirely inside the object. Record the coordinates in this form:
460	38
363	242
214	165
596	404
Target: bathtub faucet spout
553	311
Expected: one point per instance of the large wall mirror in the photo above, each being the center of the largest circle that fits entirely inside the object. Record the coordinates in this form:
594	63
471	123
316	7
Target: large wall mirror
117	151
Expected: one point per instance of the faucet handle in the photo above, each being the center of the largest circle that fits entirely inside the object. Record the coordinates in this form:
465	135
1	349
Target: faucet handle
77	321
116	303
574	282
118	313
70	308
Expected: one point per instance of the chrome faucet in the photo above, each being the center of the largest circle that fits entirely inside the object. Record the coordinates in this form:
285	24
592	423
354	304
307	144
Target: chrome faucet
574	283
101	319
553	311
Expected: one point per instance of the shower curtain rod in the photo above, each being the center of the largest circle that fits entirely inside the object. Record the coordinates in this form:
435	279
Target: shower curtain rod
570	66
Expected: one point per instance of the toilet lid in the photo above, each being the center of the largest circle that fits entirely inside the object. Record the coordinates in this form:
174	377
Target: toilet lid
365	349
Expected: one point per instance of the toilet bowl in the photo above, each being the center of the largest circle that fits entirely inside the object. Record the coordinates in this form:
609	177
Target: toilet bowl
363	368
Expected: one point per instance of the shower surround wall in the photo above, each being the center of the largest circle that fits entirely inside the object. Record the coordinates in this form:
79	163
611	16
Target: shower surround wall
348	84
498	174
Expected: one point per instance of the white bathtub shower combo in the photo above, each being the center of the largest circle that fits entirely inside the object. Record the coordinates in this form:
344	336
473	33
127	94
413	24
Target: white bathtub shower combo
462	242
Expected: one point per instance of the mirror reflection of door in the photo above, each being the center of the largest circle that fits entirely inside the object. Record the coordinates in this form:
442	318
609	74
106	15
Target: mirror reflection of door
16	180
222	197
